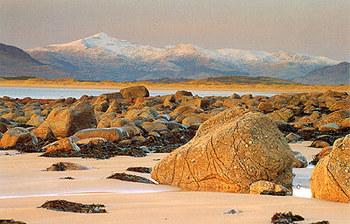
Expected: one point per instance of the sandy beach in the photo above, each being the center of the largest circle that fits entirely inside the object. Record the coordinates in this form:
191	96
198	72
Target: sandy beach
190	85
24	186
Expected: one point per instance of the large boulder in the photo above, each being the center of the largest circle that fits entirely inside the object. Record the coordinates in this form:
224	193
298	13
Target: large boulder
134	92
182	93
110	134
330	179
64	122
17	135
230	151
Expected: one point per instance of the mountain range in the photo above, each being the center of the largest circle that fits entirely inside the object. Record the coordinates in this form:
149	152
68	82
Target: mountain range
15	62
331	75
102	57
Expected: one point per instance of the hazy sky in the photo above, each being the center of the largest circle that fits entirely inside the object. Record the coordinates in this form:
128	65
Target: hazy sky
315	27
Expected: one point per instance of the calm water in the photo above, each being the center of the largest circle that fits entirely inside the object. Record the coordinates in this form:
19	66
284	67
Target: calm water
57	93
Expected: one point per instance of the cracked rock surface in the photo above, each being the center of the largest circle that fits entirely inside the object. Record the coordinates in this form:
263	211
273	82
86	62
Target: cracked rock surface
230	151
330	179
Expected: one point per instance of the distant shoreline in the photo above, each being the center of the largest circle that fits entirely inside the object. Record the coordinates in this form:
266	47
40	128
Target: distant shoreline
190	85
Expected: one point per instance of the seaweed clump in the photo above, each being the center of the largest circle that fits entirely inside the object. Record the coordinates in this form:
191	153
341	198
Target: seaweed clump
131	178
23	147
10	221
274	193
140	169
67	206
104	150
285	218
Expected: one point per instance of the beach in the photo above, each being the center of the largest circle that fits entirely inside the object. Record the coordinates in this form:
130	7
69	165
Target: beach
25	186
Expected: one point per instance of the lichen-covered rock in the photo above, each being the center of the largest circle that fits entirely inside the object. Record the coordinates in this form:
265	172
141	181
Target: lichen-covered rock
230	151
330	179
110	134
64	122
134	92
17	135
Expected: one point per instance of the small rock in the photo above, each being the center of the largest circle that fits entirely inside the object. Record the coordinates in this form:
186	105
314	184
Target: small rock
329	127
292	137
299	160
262	185
232	212
285	218
319	144
63	166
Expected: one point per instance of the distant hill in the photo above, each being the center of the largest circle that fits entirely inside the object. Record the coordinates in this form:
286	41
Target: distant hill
246	80
15	62
102	57
329	75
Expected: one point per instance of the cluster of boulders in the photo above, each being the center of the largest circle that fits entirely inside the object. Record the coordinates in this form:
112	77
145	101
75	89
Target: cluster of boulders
127	117
240	142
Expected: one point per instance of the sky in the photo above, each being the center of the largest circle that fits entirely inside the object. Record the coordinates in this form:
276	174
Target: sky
314	27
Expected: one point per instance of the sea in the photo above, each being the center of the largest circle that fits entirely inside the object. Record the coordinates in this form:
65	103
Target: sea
58	93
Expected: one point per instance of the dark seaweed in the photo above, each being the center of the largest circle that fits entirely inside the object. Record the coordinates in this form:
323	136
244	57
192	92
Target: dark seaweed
140	169
129	177
67	206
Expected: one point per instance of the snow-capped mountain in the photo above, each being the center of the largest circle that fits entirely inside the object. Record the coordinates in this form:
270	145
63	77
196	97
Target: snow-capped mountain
101	57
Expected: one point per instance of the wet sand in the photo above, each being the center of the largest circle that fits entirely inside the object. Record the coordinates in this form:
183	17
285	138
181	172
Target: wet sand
24	187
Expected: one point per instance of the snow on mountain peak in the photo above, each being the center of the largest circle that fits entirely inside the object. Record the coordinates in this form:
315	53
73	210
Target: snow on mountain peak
99	35
101	44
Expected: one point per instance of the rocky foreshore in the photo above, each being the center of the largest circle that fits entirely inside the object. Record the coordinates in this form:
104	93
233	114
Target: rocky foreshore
230	144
